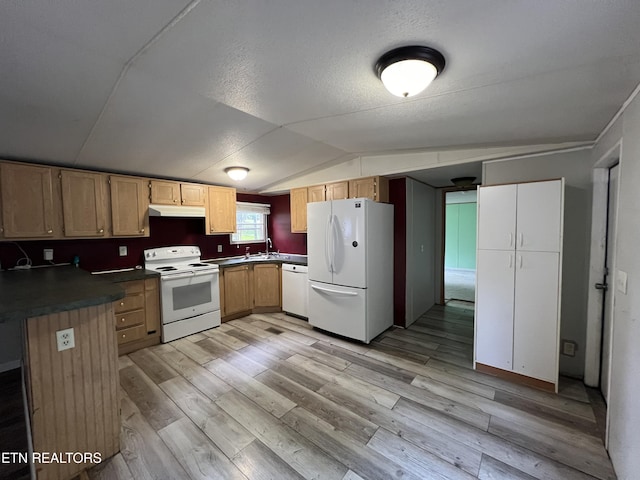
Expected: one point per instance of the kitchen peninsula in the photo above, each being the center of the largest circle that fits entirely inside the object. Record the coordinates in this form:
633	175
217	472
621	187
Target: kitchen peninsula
72	394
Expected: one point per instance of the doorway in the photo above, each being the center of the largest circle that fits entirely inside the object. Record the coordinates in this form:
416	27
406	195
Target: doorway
607	286
459	247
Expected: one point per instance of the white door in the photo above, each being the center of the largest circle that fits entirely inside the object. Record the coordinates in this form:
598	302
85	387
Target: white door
318	241
607	320
539	216
338	309
497	217
535	330
349	243
494	308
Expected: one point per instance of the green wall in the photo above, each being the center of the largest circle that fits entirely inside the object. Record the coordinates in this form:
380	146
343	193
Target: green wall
460	236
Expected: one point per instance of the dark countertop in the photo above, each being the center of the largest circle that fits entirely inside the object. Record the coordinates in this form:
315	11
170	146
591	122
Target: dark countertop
41	291
282	258
127	276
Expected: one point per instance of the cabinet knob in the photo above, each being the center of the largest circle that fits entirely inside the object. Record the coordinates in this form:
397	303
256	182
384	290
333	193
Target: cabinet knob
122	319
142	230
124	335
49	231
101	230
122	304
175	200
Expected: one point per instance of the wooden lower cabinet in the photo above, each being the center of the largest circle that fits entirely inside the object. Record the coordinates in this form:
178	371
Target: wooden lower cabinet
137	315
266	287
250	288
73	397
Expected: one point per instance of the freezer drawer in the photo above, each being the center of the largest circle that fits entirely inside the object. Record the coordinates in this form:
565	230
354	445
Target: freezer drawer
340	310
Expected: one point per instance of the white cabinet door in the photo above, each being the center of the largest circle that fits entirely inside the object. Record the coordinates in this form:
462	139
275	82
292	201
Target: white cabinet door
497	217
539	219
535	331
494	308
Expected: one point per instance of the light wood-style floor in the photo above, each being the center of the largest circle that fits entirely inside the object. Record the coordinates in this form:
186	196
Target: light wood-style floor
267	397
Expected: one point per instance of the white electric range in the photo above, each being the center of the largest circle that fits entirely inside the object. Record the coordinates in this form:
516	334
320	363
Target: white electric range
190	293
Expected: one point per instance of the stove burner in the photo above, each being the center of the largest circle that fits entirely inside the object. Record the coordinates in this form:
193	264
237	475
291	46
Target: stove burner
166	269
199	265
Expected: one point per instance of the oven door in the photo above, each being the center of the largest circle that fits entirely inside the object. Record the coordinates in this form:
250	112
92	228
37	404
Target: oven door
188	294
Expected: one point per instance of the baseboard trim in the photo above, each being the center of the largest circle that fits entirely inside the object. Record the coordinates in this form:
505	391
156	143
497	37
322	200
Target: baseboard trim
517	378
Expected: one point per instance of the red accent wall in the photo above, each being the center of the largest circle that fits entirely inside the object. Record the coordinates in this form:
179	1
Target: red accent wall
398	196
103	254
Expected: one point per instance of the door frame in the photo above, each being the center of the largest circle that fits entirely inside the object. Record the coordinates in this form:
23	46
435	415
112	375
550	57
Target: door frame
443	236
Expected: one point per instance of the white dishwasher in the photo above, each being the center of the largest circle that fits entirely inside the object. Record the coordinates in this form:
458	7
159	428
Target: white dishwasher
295	289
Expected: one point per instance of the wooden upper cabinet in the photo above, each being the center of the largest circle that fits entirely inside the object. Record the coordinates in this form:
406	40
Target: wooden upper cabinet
316	193
129	206
221	214
375	188
266	285
84	207
165	192
298	206
337	191
193	194
28	209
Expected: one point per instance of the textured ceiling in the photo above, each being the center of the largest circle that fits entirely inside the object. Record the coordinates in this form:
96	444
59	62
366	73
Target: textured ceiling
184	89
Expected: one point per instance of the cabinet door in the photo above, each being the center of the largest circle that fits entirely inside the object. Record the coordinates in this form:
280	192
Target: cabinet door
152	306
222	210
316	193
266	285
337	191
193	195
535	332
83	203
165	193
27	201
363	188
539	222
129	206
497	217
236	290
494	308
298	205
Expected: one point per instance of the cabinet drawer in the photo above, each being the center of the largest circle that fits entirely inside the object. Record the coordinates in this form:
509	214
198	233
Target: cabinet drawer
130	334
130	302
129	319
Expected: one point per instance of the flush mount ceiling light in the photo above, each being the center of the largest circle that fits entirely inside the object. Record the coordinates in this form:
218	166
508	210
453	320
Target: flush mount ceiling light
406	71
463	181
237	173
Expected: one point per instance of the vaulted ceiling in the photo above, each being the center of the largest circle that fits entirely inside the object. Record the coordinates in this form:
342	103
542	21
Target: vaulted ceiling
182	89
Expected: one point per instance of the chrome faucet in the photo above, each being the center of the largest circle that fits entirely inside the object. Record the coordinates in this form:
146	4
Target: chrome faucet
267	245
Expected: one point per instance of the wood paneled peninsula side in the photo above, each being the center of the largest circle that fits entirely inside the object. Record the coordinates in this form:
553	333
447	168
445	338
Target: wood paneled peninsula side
72	395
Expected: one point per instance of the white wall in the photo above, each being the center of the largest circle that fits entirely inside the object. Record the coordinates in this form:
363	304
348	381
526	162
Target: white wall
624	392
421	273
575	167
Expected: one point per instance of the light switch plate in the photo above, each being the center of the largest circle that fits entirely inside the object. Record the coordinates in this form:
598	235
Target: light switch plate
621	282
219	248
123	251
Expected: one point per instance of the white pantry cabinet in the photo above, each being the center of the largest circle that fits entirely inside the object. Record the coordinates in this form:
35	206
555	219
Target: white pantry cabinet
518	278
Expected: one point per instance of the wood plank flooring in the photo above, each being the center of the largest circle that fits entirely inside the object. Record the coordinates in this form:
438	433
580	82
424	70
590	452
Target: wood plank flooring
268	397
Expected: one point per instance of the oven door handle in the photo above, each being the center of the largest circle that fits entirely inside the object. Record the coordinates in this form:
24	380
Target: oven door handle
180	275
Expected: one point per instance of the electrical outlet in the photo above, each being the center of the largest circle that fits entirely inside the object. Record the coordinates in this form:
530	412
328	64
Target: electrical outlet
65	339
219	248
48	254
123	251
569	348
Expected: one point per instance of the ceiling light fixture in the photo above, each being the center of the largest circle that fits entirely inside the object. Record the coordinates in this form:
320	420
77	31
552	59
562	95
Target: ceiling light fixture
406	71
462	182
237	173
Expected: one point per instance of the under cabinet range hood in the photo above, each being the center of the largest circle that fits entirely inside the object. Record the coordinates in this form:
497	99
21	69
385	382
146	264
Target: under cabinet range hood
175	211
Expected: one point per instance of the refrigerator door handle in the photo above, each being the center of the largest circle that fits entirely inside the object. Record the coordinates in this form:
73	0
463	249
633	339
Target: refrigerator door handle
336	292
327	244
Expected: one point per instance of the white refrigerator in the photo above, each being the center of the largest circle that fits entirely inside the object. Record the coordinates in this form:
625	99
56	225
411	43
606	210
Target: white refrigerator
350	258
